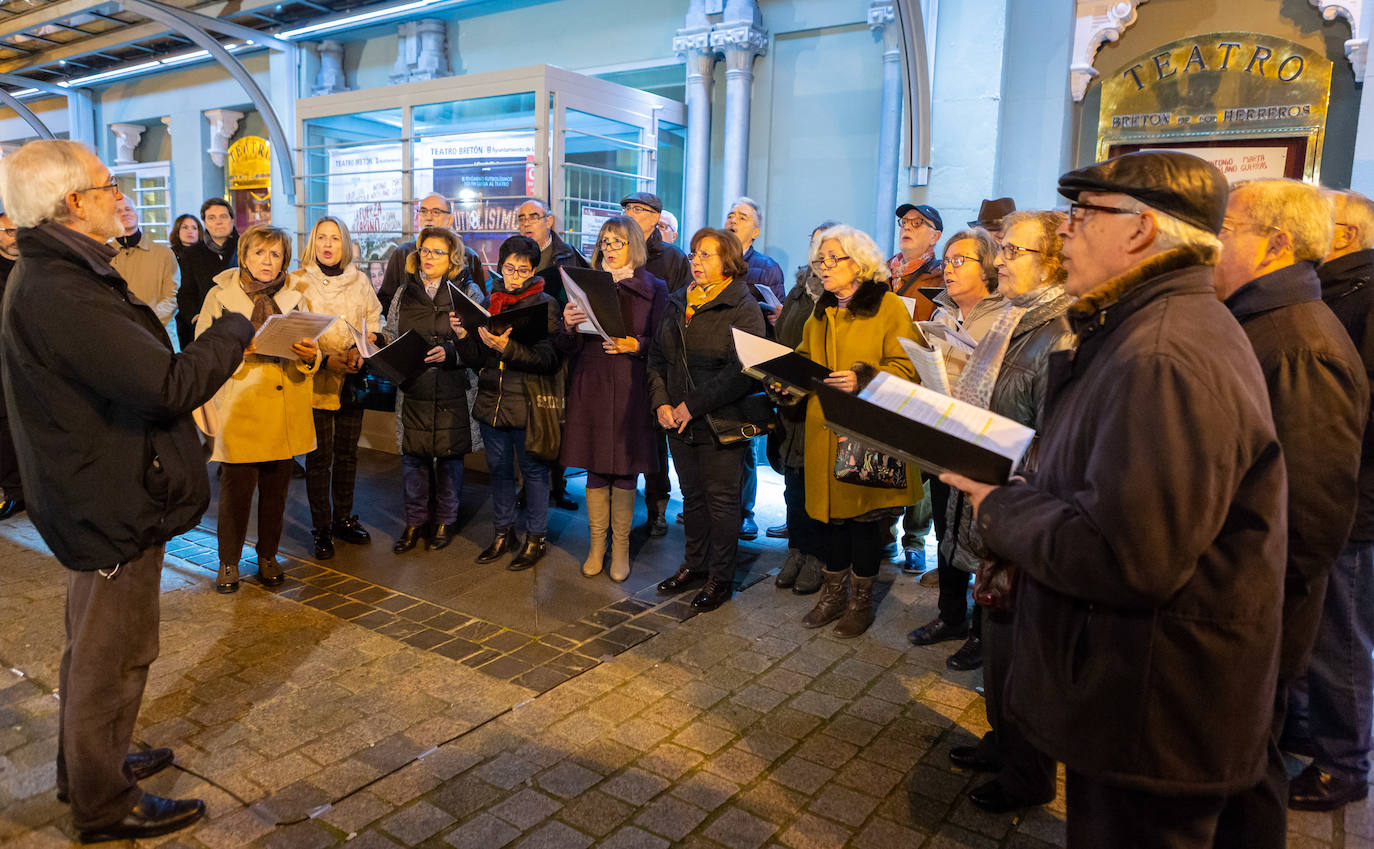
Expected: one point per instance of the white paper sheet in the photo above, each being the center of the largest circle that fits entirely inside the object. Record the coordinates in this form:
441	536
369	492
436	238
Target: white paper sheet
363	340
575	294
947	337
753	350
910	306
930	364
770	301
280	332
971	424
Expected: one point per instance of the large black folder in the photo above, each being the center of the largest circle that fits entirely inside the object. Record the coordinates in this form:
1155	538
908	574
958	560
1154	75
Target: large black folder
793	371
930	448
403	359
529	324
603	298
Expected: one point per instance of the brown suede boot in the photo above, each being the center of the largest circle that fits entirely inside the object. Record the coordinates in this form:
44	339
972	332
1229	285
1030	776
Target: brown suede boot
834	598
859	614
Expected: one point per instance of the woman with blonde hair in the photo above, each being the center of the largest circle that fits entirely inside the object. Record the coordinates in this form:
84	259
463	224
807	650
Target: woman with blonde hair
263	410
609	428
334	286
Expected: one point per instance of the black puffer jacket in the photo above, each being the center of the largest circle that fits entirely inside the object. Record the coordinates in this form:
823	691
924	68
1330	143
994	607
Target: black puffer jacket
707	375
434	405
501	376
100	405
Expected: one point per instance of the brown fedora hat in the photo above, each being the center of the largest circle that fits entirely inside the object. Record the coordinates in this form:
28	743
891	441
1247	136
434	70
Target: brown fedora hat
991	213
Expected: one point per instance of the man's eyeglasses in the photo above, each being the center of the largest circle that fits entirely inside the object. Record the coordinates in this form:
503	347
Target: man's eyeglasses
1231	225
1077	210
827	262
532	216
640	209
433	253
957	261
1011	251
912	223
516	271
433	210
610	244
112	186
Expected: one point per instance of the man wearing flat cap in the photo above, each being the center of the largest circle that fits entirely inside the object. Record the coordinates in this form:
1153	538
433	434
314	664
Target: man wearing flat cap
1151	539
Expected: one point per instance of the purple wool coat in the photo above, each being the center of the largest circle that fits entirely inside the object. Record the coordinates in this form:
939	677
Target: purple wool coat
609	427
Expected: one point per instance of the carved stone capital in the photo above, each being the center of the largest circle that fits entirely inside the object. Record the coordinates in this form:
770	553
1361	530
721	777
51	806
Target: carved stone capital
739	37
1097	22
127	137
1355	13
880	14
330	78
690	41
223	124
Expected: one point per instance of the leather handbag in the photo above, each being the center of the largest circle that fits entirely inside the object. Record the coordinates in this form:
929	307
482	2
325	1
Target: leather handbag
751	416
546	400
857	464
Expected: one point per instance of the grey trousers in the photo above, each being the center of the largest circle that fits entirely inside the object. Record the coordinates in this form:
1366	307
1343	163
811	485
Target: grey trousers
112	638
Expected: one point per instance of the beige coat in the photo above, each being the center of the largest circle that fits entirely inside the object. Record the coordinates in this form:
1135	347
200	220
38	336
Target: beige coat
264	409
350	297
151	271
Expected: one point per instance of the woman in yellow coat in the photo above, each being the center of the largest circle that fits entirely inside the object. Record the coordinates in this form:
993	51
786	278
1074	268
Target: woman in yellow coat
263	410
853	331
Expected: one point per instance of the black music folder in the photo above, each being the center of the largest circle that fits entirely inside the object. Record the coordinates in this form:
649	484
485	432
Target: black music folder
765	359
529	324
597	295
403	359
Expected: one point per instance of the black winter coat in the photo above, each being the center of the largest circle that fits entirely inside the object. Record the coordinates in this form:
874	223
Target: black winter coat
667	263
563	254
434	404
100	405
396	274
1151	543
501	376
1320	399
200	264
707	375
797	308
1348	289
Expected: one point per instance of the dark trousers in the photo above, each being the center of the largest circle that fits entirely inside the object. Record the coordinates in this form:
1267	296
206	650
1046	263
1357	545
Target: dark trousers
1258	818
1025	772
9	464
709	475
657	488
447	475
505	450
953	601
802	530
1104	815
237	481
1340	677
852	545
332	468
112	630
749	477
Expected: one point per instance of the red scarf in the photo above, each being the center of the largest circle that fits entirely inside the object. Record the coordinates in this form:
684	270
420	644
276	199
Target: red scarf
500	299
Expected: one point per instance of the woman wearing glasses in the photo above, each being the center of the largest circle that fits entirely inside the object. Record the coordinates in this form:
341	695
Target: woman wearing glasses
609	428
435	428
501	409
693	373
853	331
1007	375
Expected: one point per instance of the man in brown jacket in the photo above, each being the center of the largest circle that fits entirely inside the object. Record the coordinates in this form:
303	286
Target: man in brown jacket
1151	540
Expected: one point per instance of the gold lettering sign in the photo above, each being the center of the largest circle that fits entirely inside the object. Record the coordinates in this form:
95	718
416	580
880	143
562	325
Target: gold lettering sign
1227	89
249	164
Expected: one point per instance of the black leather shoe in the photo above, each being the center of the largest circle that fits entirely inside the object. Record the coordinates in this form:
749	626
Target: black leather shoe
269	572
748	529
562	501
1315	790
142	764
324	544
227	581
658	525
969	656
530	553
683	579
713	595
994	798
682	518
777	531
937	630
151	816
351	531
969	757
505	541
407	540
11	507
443	535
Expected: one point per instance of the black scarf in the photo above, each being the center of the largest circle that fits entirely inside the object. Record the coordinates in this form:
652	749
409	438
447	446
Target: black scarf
331	270
130	241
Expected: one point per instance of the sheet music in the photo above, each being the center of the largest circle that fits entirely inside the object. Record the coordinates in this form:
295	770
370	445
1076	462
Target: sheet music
753	350
281	331
363	340
769	299
972	424
459	293
930	364
910	305
947	337
591	326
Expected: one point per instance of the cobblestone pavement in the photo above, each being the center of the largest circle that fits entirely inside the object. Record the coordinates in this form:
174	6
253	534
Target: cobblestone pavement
733	729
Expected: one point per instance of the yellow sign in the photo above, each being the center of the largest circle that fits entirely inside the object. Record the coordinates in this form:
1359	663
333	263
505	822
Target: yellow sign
1239	90
249	164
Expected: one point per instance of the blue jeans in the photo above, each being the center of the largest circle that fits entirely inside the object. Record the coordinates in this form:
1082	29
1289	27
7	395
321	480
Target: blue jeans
505	448
448	484
749	477
1340	679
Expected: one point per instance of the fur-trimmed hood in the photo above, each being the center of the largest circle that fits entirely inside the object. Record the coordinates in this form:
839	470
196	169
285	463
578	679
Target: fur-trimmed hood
867	298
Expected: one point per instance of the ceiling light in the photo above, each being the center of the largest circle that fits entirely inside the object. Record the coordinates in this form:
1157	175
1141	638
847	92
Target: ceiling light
106	76
351	20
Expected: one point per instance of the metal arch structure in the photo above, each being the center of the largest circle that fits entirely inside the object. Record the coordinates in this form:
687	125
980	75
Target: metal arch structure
80	115
194	27
27	114
916	81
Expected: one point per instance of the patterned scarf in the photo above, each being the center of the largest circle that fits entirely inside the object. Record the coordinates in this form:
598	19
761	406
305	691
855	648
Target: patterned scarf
900	268
978	378
262	295
700	296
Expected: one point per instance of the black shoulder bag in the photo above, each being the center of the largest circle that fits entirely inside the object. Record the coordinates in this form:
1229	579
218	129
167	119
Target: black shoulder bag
754	415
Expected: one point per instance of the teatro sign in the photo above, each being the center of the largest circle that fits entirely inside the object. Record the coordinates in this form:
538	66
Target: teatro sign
1254	104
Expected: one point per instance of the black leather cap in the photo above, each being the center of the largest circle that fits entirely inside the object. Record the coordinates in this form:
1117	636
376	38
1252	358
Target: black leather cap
1180	184
649	199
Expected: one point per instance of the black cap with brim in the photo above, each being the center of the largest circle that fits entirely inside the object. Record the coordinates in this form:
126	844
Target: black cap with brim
1190	189
647	198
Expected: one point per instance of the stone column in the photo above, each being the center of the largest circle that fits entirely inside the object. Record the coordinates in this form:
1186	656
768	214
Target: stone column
741	38
693	47
422	51
127	137
882	21
223	124
330	78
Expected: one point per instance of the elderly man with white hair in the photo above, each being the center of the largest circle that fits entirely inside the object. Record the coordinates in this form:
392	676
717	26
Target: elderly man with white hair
100	409
149	268
1150	539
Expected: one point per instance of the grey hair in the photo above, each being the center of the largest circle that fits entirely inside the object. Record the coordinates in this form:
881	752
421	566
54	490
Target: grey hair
1353	210
544	207
752	204
625	227
986	250
36	179
1296	208
858	246
1171	232
448	204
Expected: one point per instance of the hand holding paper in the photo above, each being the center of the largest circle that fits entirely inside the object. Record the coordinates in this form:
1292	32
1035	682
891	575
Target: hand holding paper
282	333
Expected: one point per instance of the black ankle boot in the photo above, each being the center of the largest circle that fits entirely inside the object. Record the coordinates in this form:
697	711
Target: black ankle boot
324	543
504	542
408	538
351	531
530	552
